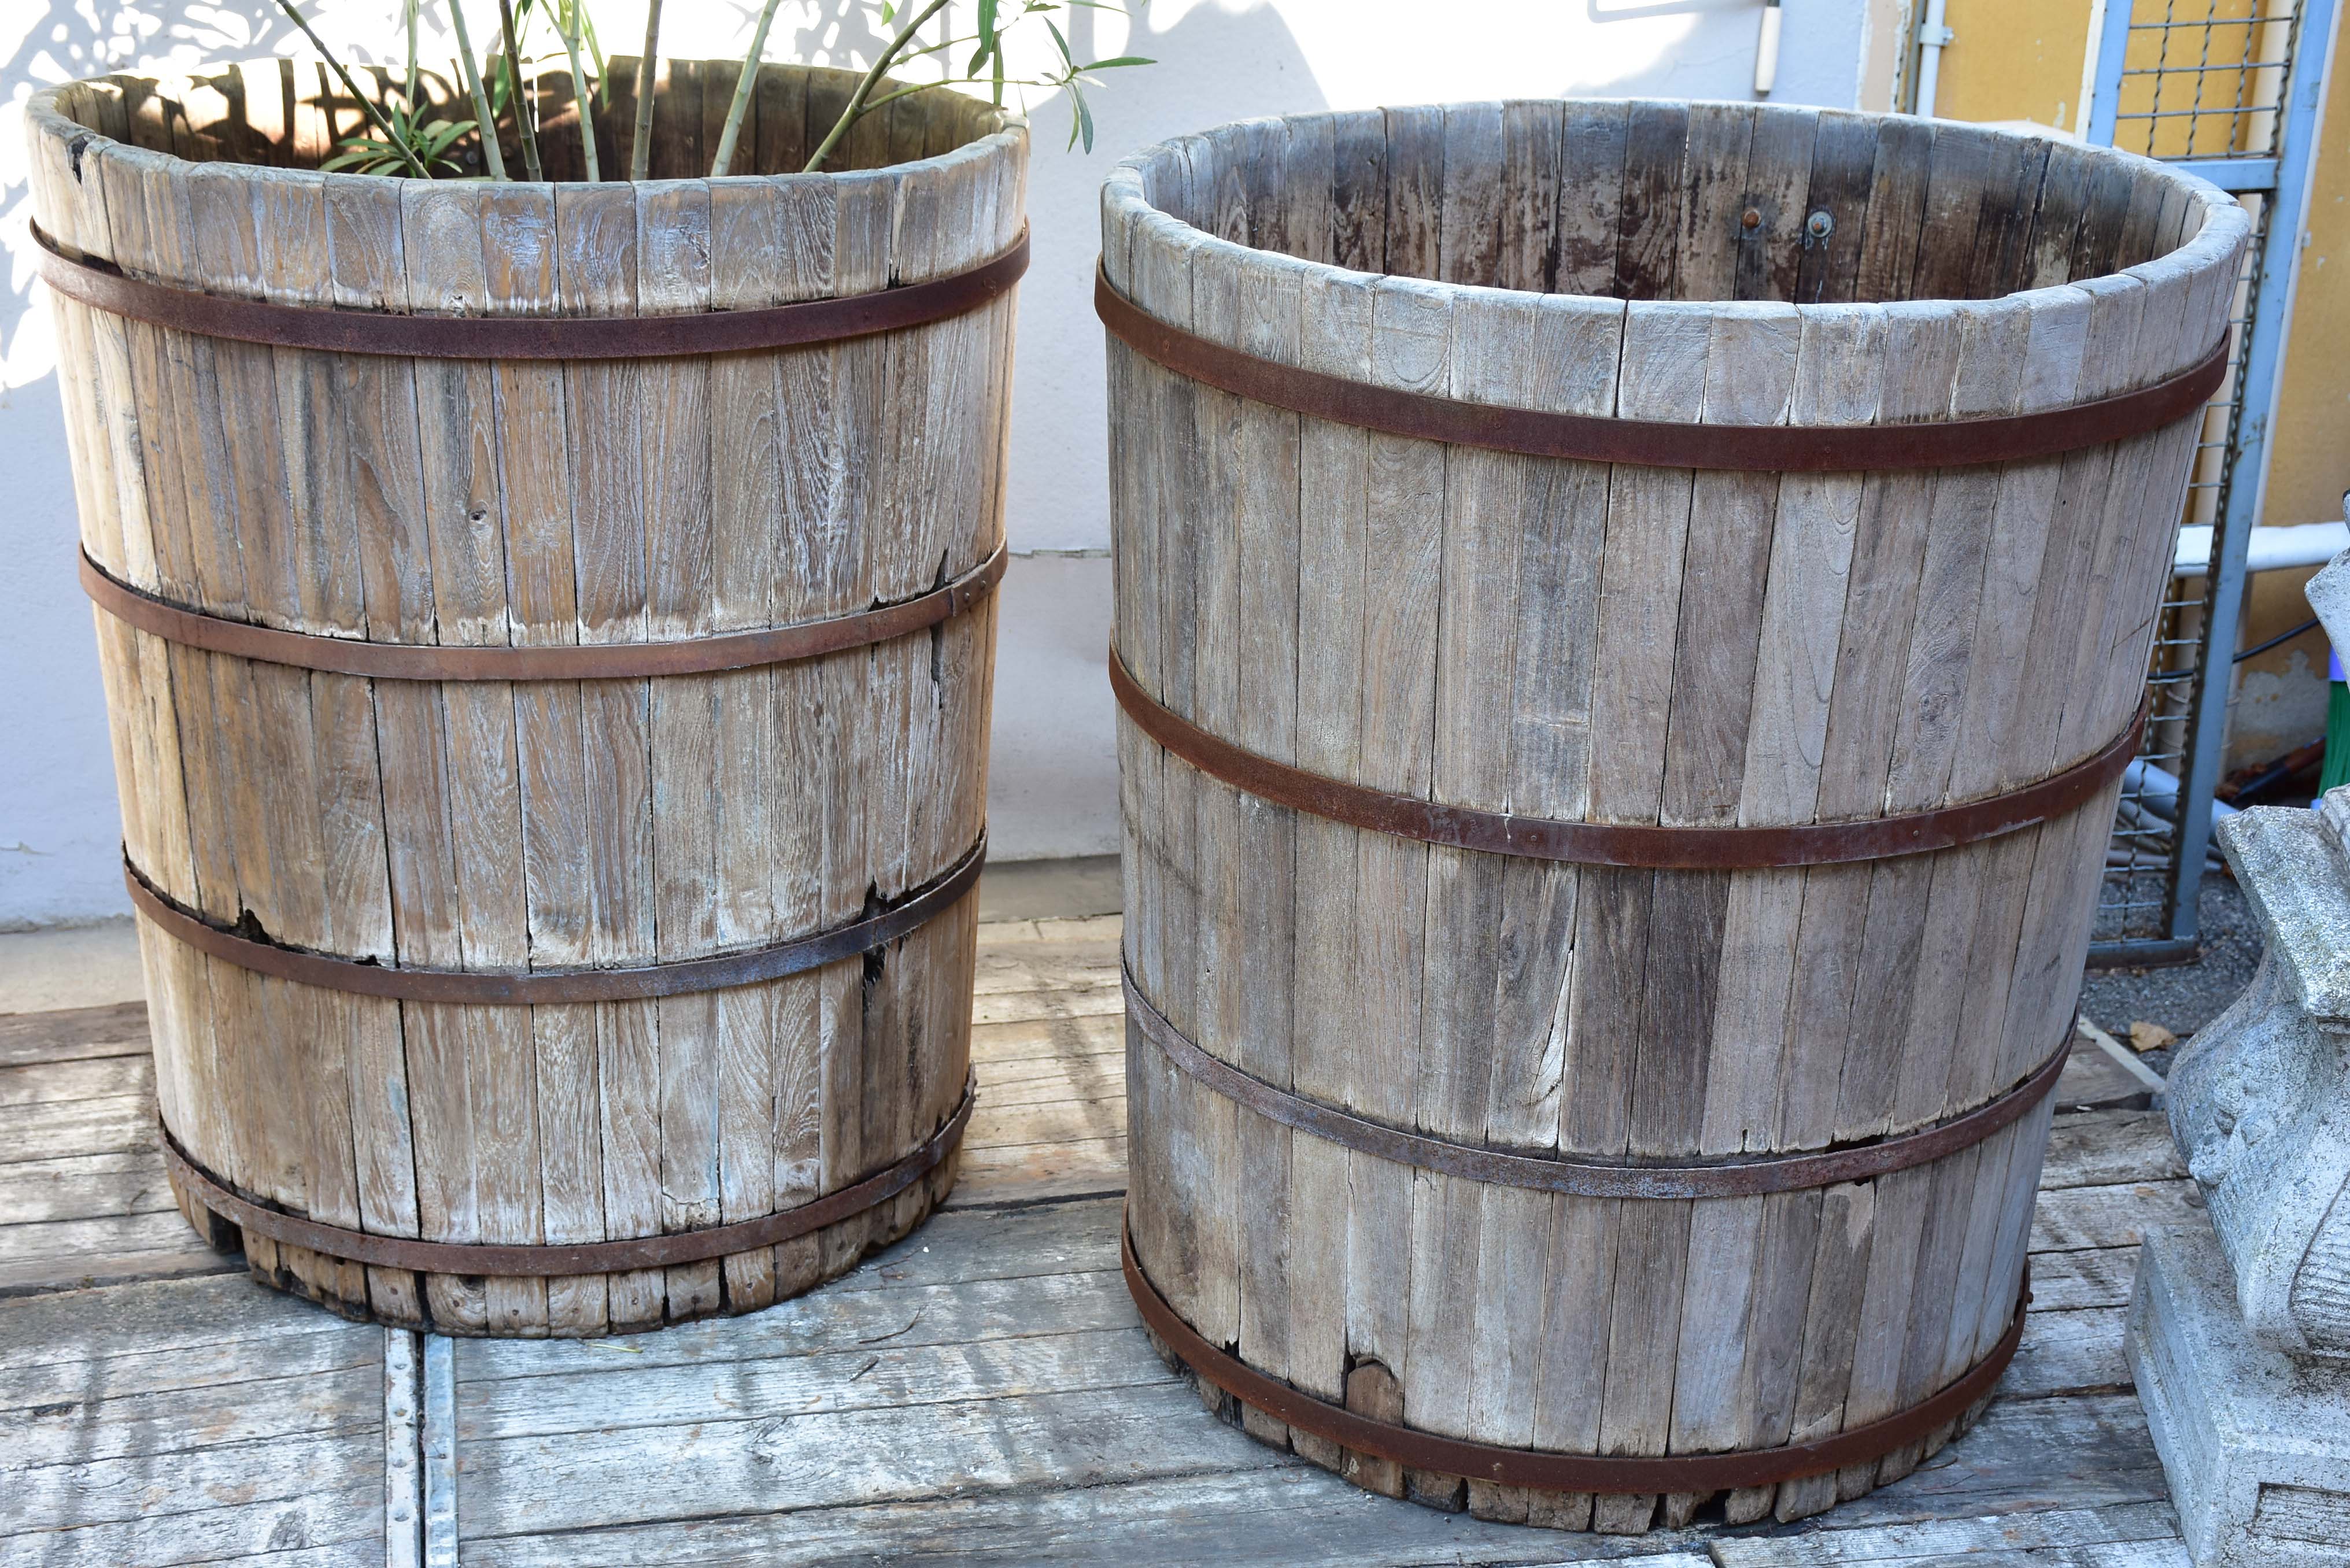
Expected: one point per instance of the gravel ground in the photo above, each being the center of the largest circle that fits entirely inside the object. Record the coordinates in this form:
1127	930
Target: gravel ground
2182	998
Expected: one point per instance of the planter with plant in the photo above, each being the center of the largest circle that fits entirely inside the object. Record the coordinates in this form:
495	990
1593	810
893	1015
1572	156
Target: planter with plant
546	628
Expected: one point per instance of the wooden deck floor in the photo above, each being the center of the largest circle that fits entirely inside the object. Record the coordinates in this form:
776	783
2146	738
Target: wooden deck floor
981	1392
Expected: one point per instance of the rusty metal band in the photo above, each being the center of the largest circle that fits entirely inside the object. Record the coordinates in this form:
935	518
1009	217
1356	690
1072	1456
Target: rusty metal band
1566	1472
557	985
574	1257
1622	843
1745	1177
1660	443
568	662
327	329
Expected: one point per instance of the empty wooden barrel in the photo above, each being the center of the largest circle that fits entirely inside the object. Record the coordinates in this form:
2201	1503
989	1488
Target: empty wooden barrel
548	636
1630	620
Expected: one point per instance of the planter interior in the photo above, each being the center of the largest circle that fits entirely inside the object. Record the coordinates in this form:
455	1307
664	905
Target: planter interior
293	114
1678	201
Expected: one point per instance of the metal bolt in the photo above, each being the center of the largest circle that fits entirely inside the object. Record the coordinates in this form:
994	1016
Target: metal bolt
1750	218
1819	225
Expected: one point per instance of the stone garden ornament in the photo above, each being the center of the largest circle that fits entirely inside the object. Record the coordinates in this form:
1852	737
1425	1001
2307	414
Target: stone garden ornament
2239	1331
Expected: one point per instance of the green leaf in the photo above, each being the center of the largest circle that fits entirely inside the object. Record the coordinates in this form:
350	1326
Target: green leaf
440	134
1059	42
991	41
1121	60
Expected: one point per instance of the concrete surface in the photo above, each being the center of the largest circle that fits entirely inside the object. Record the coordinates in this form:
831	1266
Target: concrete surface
75	966
2256	1444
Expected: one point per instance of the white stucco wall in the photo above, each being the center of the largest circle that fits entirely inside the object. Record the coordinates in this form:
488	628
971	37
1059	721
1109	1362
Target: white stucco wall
1054	787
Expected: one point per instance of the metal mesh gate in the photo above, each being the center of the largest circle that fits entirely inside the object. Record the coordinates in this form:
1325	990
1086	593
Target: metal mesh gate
2232	89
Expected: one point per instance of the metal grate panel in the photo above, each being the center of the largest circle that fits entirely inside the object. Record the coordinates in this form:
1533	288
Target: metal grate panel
2231	86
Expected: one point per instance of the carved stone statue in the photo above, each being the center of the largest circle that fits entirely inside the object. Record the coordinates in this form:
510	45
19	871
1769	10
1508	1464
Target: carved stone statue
2239	1332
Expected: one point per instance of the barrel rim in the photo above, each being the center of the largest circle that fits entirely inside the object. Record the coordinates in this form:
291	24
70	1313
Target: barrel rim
81	145
43	115
1127	208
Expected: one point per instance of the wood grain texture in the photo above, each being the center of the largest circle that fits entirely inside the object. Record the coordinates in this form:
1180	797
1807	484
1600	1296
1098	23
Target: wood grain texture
1629	645
502	827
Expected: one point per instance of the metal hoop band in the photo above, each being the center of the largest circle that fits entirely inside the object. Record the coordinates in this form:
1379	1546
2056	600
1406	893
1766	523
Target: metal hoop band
1622	844
103	286
1564	1472
1657	443
1590	1179
569	662
577	1258
556	985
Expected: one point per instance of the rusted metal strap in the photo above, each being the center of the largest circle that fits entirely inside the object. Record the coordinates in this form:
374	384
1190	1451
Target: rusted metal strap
1659	443
1622	844
264	956
1565	1472
103	286
568	662
1743	1177
478	1259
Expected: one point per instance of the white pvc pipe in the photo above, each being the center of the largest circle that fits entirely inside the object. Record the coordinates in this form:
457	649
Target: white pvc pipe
1932	35
1766	50
2273	549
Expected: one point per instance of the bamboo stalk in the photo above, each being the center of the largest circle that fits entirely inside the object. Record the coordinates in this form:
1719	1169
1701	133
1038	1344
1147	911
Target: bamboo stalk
742	86
640	150
581	92
514	92
856	109
492	159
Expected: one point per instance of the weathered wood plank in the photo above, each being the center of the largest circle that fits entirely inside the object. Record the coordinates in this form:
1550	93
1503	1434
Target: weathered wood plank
2132	1523
2073	1218
189	1421
73	1034
2099	1148
1288	1516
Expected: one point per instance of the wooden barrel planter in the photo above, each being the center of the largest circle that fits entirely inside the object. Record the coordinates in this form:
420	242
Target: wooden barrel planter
1630	621
548	638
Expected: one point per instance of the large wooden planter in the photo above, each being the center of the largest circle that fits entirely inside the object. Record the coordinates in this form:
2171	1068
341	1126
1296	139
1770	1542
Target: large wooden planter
552	779
1621	724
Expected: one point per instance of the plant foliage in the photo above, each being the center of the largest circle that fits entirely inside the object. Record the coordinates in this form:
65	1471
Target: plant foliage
401	142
